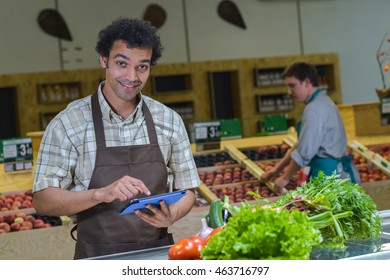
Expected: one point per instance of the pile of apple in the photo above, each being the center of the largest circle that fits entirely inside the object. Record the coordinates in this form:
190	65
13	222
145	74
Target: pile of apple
21	200
367	171
268	165
214	159
240	192
226	175
266	152
383	150
20	221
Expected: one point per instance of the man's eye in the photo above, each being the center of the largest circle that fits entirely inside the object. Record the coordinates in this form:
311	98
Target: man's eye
143	68
121	64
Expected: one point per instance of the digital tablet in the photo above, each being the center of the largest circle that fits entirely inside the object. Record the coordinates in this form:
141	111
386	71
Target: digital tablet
141	203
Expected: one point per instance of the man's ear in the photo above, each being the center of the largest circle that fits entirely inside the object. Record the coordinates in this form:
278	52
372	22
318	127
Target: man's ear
308	82
103	61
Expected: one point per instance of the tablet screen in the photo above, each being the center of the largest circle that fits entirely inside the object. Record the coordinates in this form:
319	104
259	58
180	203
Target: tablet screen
141	203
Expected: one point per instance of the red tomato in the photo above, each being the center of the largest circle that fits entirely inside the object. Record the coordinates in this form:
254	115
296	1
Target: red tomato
215	231
187	249
198	240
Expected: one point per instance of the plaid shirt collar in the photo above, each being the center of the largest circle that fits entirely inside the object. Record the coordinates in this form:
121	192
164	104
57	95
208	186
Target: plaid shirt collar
110	116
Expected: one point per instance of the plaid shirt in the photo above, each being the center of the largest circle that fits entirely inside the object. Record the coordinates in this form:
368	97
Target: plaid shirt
67	153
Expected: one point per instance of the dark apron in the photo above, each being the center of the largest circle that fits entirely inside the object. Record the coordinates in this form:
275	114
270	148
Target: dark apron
328	165
100	229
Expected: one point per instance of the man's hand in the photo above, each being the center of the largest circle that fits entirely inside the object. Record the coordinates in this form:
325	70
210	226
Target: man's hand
269	175
157	217
280	184
125	188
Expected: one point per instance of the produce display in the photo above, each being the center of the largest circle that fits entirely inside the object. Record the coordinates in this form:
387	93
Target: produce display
268	165
339	208
383	150
266	152
327	212
233	181
259	233
228	175
368	171
239	193
13	222
16	201
213	159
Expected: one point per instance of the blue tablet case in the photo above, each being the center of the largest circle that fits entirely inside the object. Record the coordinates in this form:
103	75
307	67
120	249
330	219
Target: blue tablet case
141	203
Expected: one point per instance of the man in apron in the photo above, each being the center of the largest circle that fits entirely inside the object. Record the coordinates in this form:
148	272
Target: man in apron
115	145
322	140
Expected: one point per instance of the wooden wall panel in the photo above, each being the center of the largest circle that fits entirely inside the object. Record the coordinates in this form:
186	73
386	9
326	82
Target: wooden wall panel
198	94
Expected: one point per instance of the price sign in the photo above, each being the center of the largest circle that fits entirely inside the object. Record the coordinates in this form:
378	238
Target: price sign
385	111
17	154
207	132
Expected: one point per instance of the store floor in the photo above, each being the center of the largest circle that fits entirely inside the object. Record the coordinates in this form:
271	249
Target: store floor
56	244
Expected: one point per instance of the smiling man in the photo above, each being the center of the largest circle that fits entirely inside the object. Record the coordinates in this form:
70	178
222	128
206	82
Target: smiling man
116	145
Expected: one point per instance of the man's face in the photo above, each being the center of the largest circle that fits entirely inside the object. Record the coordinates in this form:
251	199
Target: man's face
298	90
127	71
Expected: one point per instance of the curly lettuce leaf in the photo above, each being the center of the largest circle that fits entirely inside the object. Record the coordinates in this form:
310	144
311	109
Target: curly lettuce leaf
259	233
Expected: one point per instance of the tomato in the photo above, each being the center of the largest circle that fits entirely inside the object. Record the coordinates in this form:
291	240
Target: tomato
198	240
187	249
211	234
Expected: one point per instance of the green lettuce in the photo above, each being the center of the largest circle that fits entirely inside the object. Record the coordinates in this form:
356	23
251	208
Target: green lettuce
259	233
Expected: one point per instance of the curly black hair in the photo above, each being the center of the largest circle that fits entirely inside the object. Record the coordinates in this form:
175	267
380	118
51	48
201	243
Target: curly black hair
135	32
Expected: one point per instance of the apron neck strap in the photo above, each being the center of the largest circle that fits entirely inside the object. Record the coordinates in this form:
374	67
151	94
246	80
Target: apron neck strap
98	123
311	98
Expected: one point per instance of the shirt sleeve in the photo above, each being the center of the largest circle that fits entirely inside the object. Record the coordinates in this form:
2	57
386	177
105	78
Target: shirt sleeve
182	163
55	160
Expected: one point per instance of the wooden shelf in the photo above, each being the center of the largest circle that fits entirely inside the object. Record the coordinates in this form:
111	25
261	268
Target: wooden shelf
207	85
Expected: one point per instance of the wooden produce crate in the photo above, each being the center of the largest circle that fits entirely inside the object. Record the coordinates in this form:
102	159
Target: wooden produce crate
227	180
368	120
381	156
375	180
26	235
238	192
13	181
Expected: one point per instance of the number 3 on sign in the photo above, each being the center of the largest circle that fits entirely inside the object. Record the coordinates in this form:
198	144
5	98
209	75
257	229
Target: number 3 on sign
25	149
214	132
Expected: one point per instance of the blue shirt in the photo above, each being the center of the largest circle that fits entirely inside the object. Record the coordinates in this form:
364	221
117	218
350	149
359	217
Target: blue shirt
322	131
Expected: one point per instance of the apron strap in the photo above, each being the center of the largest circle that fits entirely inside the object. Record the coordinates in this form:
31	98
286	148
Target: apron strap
346	162
72	231
98	123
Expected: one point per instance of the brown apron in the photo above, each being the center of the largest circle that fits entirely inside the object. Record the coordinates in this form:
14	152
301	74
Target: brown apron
100	229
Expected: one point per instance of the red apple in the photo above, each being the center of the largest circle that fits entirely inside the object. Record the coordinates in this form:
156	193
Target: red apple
15	226
38	223
27	224
10	218
30	218
5	226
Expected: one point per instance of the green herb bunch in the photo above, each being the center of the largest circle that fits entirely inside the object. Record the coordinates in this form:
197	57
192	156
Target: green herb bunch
341	209
255	232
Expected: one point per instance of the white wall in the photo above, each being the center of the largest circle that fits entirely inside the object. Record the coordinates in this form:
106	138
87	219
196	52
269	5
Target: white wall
352	28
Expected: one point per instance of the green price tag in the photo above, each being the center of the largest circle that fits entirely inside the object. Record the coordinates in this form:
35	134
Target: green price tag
18	154
207	132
